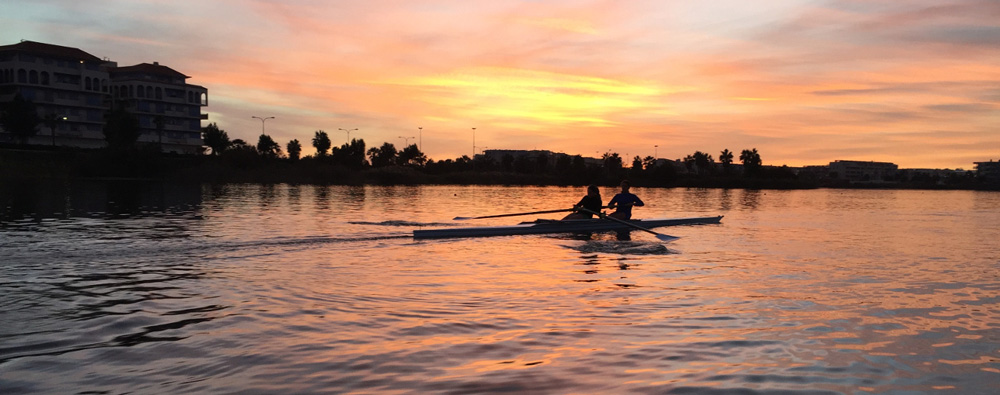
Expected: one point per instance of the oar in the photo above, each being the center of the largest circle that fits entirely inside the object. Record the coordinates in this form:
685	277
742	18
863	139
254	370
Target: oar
514	214
661	236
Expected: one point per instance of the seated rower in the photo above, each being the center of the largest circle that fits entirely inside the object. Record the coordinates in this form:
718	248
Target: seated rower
623	202
590	202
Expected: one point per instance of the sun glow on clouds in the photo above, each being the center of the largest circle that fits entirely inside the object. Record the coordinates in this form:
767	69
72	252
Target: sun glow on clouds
539	99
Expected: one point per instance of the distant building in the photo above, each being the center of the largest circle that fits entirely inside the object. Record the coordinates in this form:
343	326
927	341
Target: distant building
79	89
168	108
989	171
815	172
860	171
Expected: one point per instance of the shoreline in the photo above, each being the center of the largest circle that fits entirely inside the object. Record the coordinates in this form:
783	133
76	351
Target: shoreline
19	165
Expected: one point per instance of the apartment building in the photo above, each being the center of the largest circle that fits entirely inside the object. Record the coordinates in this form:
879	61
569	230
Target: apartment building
78	89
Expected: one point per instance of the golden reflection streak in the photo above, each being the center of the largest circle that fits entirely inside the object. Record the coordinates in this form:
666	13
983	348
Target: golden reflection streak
983	359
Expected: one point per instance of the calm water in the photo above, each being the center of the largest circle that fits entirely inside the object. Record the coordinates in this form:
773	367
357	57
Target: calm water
151	288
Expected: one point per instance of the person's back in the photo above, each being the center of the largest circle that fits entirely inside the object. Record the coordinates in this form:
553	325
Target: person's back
623	202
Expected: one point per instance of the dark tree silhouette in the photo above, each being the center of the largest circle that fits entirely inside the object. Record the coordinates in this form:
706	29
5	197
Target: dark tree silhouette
121	129
612	164
321	142
648	163
726	157
703	161
51	121
20	118
351	155
294	149
383	156
267	147
411	156
751	161
215	138
637	163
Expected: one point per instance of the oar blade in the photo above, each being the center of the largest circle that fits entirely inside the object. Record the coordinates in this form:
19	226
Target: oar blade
461	218
666	238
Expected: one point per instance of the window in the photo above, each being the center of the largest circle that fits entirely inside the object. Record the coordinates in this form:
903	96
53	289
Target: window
45	78
140	91
87	84
159	93
33	77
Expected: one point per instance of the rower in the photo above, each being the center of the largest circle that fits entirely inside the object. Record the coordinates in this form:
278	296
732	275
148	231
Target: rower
623	202
590	202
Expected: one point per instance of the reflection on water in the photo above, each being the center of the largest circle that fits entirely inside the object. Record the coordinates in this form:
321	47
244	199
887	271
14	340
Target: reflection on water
156	288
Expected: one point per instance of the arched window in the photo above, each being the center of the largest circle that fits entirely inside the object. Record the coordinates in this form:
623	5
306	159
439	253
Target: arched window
22	76
97	85
87	84
45	78
131	91
149	92
140	91
33	77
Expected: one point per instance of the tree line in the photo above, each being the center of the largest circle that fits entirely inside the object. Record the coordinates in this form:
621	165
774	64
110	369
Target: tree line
541	167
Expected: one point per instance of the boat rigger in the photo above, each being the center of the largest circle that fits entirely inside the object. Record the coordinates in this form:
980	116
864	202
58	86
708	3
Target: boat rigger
557	226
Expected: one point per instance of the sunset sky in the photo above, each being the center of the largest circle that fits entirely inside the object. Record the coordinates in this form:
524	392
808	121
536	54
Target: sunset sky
913	82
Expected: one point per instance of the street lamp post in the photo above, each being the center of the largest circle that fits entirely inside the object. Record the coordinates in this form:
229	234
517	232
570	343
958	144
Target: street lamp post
406	141
348	133
262	122
473	149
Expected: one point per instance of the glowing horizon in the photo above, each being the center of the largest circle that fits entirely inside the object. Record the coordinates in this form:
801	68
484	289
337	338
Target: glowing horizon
803	82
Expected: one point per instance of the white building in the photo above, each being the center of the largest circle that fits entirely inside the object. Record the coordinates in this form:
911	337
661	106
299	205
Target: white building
79	89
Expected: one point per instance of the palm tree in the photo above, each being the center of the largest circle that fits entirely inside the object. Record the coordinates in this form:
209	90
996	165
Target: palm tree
51	121
726	157
216	138
322	143
294	149
751	160
267	147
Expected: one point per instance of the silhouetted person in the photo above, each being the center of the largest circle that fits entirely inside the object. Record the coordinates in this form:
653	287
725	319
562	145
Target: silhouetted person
623	202
590	202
